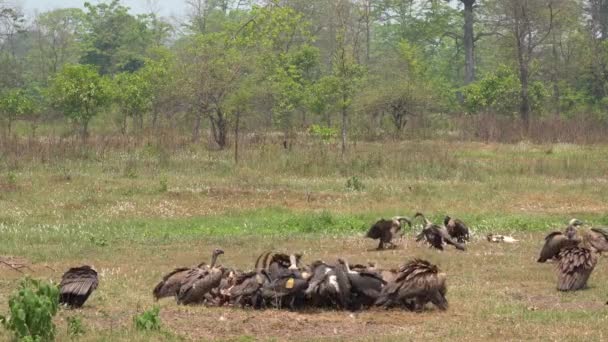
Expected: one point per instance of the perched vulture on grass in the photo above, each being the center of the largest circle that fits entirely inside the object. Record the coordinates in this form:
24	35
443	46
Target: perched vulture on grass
436	235
386	230
457	229
556	241
76	286
199	282
577	262
170	284
417	283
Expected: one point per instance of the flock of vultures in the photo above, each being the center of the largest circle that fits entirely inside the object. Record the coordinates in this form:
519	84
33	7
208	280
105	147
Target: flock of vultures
281	280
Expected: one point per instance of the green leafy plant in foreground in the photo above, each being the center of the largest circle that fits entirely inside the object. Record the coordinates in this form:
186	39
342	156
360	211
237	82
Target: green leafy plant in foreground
32	309
75	326
148	320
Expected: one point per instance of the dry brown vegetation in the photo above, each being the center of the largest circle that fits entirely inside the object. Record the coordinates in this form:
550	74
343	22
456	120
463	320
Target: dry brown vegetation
136	214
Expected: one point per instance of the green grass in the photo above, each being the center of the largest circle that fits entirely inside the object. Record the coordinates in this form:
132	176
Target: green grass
137	212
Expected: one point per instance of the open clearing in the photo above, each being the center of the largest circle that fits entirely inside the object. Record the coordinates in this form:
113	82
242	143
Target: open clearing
134	217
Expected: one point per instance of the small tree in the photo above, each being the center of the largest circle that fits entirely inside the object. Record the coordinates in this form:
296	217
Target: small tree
346	71
14	104
80	93
133	93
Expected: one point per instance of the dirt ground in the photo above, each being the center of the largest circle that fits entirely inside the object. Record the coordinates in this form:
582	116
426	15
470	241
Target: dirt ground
495	291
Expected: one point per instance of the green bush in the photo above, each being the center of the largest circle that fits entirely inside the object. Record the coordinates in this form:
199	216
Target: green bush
148	320
75	326
499	92
323	132
354	184
31	311
163	185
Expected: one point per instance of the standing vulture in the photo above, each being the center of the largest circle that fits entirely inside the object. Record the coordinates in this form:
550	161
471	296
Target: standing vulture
76	286
386	230
457	229
417	283
556	241
436	235
199	281
577	262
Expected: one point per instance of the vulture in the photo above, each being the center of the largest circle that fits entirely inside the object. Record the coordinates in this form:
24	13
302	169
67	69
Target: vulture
418	282
199	281
436	235
283	284
386	275
577	262
386	230
457	229
556	241
365	286
328	285
76	286
170	284
247	286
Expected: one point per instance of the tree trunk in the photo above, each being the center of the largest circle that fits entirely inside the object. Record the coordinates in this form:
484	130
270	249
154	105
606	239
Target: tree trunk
10	126
85	130
603	18
368	33
344	123
154	117
219	129
123	128
555	76
196	131
328	118
524	109
236	136
469	42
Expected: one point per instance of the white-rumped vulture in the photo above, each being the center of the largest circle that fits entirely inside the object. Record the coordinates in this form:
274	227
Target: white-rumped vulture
76	286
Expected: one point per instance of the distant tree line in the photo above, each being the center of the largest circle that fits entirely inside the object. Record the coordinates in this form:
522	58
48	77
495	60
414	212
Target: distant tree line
284	65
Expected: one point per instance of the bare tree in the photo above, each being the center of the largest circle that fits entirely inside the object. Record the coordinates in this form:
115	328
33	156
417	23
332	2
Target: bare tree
529	23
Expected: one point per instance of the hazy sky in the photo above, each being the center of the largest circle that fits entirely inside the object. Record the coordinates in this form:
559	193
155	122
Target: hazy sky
165	7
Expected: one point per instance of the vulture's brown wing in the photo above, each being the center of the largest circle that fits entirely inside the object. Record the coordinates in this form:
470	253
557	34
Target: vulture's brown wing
246	288
574	268
599	239
170	284
445	236
76	285
197	284
367	283
424	281
601	231
379	229
554	243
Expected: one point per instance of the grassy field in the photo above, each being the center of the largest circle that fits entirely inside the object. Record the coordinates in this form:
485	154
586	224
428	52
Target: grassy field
135	213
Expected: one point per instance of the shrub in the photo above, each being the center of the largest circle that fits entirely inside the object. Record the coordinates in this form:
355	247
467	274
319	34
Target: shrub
32	310
163	185
75	326
323	132
354	184
148	320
